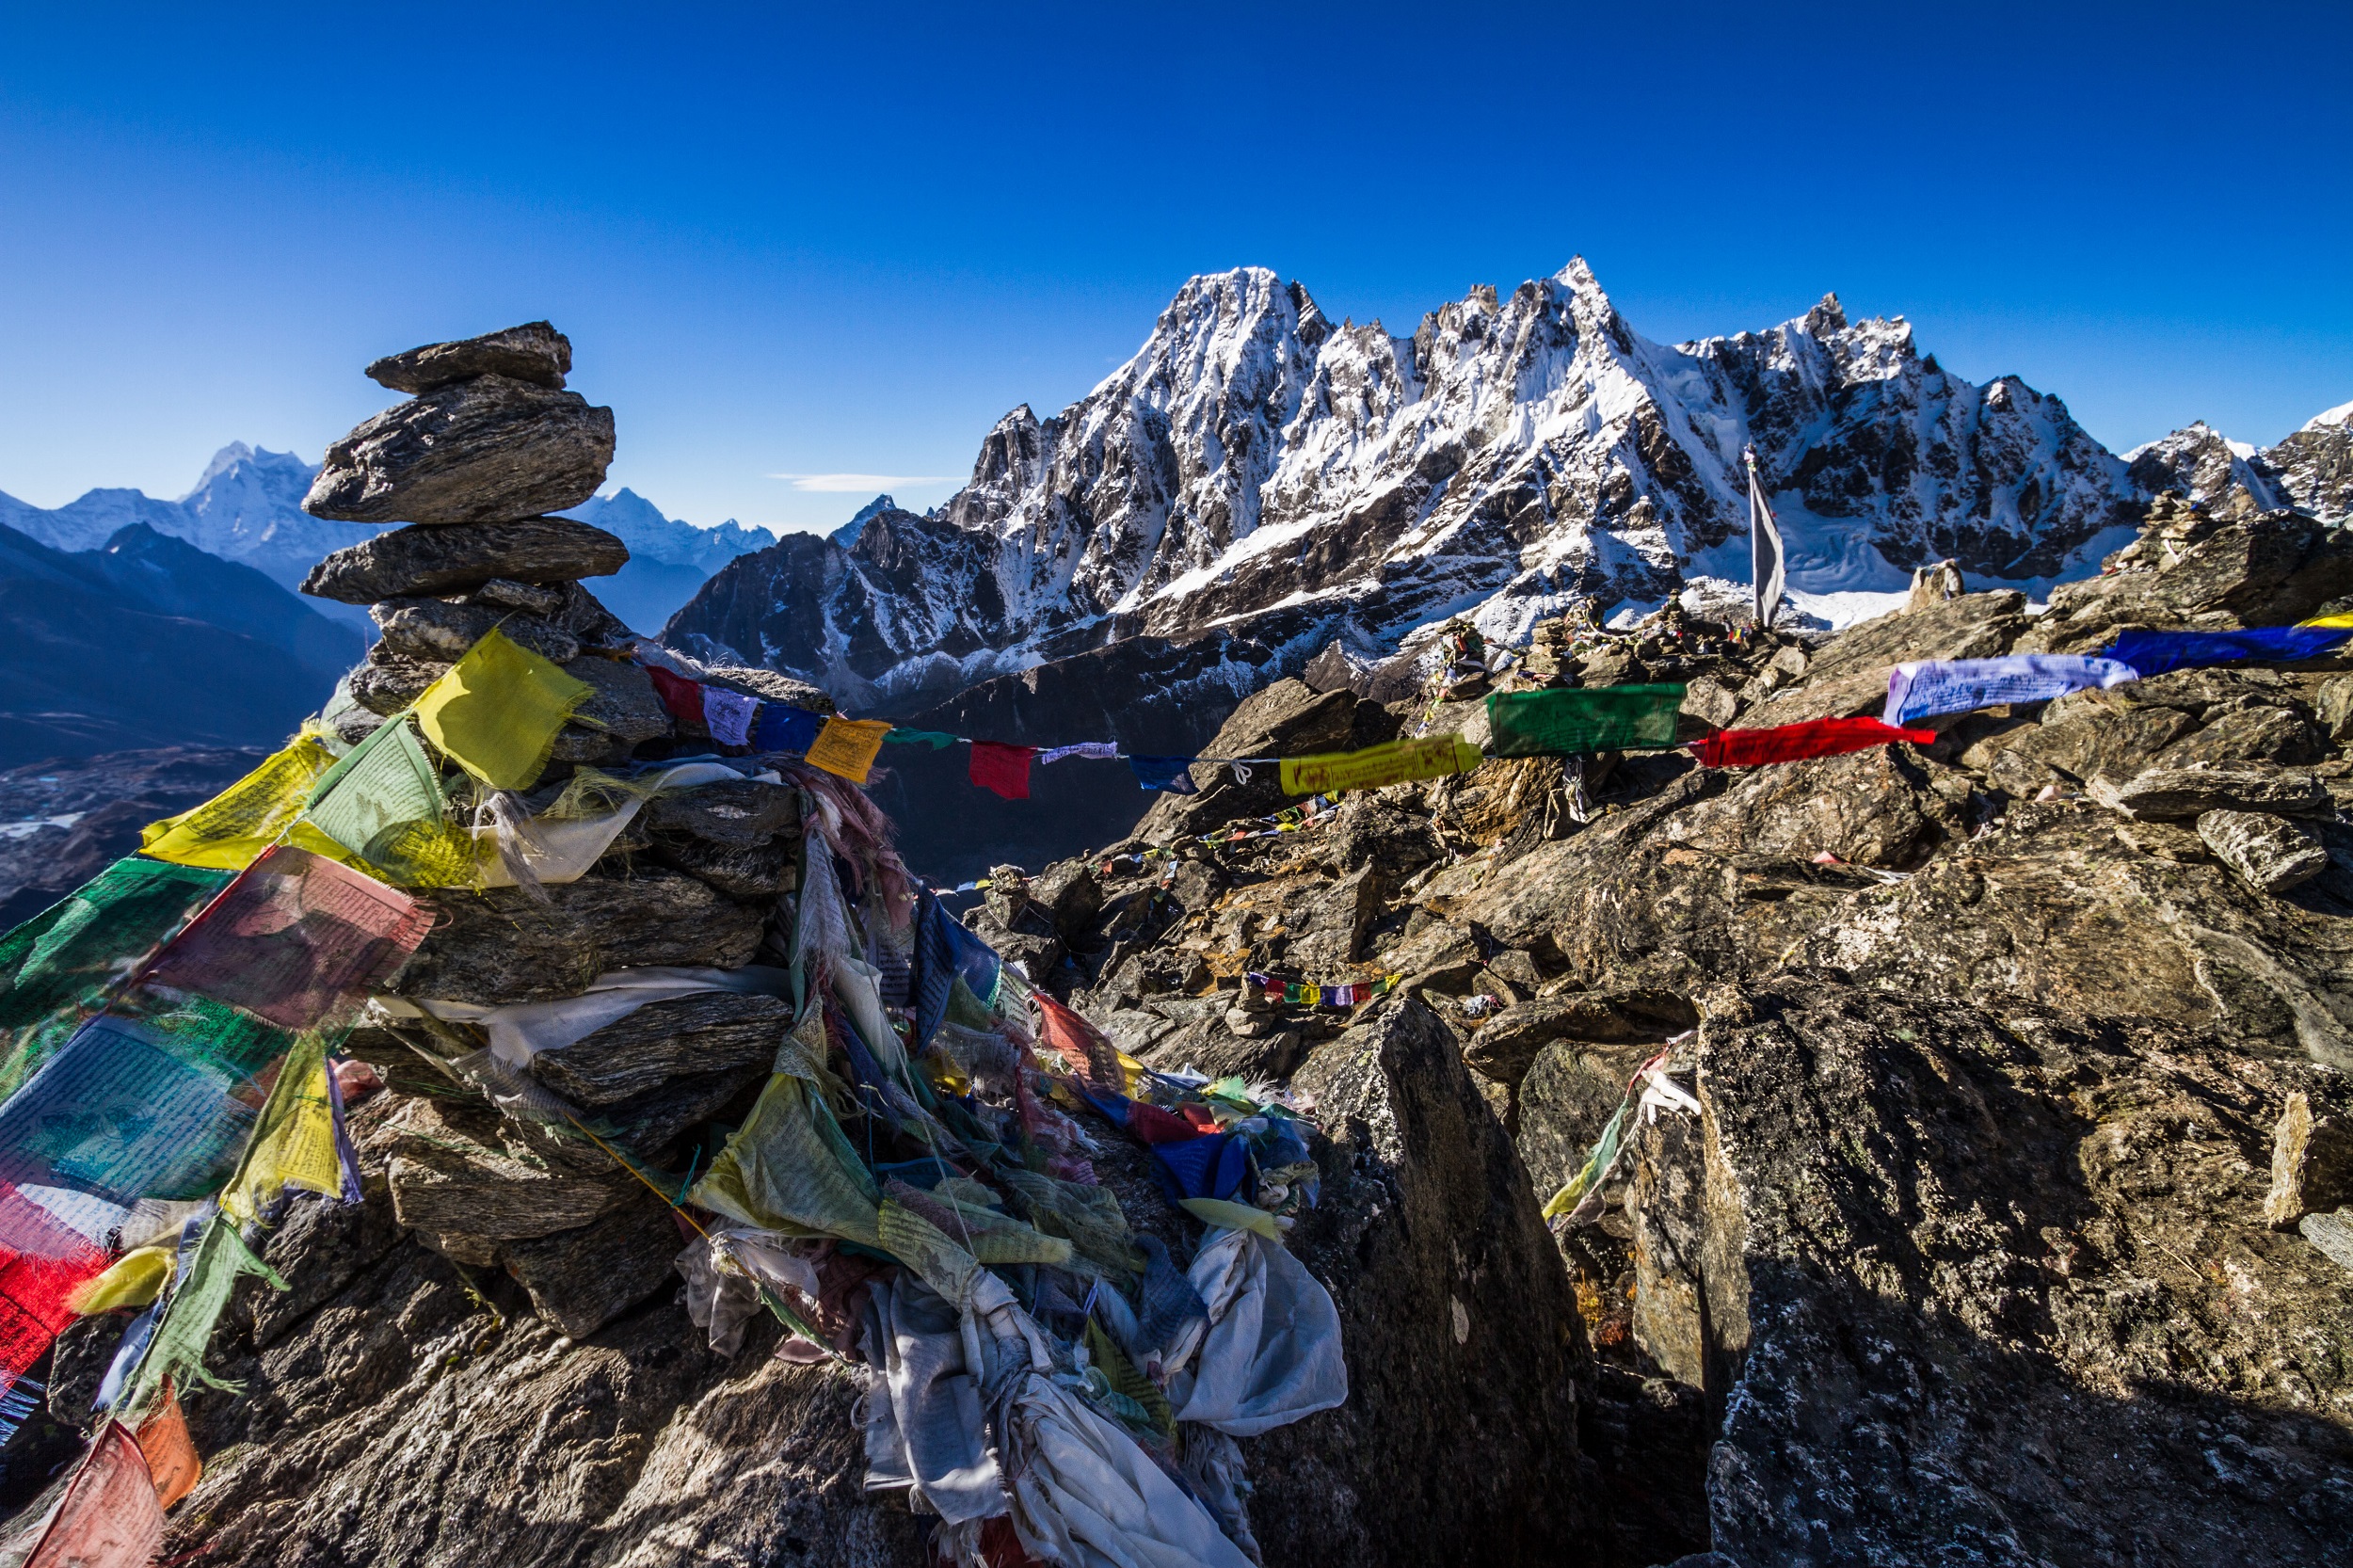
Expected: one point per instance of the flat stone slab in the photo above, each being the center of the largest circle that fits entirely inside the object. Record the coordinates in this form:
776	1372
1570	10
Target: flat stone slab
488	450
430	561
706	1033
534	352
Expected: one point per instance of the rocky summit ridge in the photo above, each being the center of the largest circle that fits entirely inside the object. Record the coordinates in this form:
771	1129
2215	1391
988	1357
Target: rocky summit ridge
1258	474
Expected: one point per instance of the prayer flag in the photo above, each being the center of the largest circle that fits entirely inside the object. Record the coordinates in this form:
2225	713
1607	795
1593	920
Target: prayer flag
729	715
496	712
383	803
1927	688
294	1143
2332	623
846	747
44	1264
1173	774
176	1352
1391	764
59	966
110	1517
2155	652
1005	769
1085	1048
294	938
120	1115
1791	743
784	728
1569	721
1100	751
170	1452
681	696
230	829
938	740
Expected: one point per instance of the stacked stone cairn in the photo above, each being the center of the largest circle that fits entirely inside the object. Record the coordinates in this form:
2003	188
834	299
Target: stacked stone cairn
475	464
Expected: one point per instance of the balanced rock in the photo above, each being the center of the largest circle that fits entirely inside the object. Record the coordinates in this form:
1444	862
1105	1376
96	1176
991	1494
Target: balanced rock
2271	853
484	450
454	558
534	352
433	629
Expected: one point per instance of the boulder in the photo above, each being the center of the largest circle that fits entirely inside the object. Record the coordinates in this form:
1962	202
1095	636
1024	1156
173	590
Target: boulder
2271	853
2269	570
2250	734
770	685
741	816
2311	1158
389	681
428	561
1874	808
1288	719
623	704
2177	794
582	1279
685	1036
485	450
1938	1274
460	1169
432	629
534	352
1458	1442
1505	1046
498	946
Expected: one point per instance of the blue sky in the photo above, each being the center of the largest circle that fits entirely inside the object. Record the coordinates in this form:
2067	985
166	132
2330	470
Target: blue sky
843	241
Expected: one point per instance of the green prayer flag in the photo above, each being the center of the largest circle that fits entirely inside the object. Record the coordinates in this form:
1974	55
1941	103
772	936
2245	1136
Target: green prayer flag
177	1351
1567	722
938	740
384	803
58	967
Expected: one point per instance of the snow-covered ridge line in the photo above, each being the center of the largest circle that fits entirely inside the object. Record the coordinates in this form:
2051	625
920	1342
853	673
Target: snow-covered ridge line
1510	457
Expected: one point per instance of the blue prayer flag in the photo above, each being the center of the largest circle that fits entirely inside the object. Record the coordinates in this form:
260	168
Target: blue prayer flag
1164	773
781	728
2155	652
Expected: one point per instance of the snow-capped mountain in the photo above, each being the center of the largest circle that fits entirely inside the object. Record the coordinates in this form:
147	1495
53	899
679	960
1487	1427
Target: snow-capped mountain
247	508
1257	470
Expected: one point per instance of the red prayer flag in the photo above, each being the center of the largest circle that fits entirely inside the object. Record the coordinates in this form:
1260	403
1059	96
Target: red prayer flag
681	696
1092	1056
110	1517
43	1262
294	938
1003	768
1792	742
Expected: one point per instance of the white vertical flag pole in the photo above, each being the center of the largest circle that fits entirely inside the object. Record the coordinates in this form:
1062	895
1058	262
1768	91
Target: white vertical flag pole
1766	575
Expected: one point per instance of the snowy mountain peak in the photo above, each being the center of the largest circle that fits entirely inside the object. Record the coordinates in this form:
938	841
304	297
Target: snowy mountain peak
847	534
2341	414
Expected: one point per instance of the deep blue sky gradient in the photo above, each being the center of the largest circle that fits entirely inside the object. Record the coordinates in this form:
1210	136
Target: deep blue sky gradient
847	239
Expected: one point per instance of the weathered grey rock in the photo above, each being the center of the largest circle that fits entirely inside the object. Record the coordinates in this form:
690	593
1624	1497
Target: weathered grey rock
738	815
460	1170
534	352
1566	1098
1428	1237
2166	840
2176	795
1710	703
1288	719
1974	626
485	450
2271	853
2083	743
2332	1234
2255	734
2312	1160
388	681
428	560
431	628
582	1279
2333	704
623	704
504	593
1874	808
1928	1295
498	946
707	1033
770	685
1506	1044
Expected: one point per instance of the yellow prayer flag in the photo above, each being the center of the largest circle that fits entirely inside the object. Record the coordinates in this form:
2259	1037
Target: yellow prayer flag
135	1279
228	830
294	1142
2329	623
496	712
1368	769
846	747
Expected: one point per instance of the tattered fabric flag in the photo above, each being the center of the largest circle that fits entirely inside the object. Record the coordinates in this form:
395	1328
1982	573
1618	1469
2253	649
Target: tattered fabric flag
789	1168
294	1143
1100	751
230	829
1596	1169
1173	774
176	1353
1793	743
58	967
108	1515
1574	720
132	1280
729	715
44	1263
681	696
294	940
1925	688
1393	763
384	804
785	727
2331	623
120	1116
496	712
170	1452
938	740
2155	652
1002	769
1085	1048
1768	565
846	747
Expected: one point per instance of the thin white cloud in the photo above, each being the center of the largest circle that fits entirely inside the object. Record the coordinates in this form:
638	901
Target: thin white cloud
863	484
